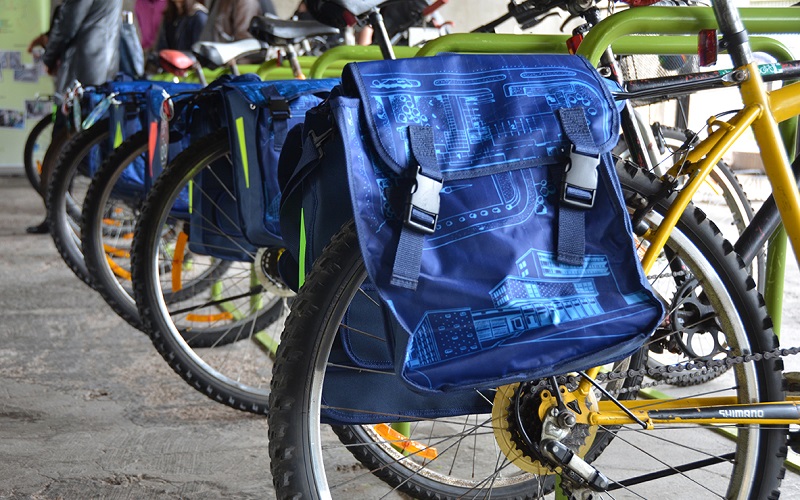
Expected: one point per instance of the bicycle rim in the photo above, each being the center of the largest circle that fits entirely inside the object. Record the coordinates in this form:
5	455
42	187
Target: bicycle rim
210	318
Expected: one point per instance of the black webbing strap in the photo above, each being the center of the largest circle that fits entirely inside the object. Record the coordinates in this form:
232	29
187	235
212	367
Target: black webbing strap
578	187
422	209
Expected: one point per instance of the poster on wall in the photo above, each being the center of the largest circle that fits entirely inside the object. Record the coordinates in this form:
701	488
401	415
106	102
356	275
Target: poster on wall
23	79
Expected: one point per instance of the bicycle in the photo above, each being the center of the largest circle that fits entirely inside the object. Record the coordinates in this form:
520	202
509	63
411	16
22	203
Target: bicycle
720	298
245	299
36	146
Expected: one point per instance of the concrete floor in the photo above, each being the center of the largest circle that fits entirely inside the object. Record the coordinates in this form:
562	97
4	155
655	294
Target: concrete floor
88	409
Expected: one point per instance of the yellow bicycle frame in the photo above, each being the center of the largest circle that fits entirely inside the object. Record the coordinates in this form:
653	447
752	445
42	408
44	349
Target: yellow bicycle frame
762	111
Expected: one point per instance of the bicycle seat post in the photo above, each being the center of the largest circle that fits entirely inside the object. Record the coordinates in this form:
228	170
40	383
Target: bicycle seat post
294	62
733	32
385	43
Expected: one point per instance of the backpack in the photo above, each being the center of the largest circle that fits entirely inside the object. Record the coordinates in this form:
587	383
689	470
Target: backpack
489	216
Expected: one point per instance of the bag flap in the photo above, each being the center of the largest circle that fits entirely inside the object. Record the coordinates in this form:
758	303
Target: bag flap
131	86
259	93
489	112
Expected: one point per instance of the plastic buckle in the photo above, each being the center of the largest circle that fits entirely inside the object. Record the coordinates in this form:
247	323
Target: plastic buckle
279	108
422	211
580	180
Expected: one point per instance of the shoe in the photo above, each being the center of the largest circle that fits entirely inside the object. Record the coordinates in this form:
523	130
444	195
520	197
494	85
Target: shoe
42	228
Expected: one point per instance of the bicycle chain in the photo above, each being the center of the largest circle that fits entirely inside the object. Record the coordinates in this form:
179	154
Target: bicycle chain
690	366
686	368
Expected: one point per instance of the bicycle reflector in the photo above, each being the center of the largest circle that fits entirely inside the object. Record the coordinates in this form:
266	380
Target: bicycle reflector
167	107
707	47
575	40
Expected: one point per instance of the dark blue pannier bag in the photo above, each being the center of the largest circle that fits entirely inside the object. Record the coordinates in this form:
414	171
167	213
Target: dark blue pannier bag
257	115
215	229
136	180
490	219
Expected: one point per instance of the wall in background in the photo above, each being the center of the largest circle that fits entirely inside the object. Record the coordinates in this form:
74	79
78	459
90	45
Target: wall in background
22	77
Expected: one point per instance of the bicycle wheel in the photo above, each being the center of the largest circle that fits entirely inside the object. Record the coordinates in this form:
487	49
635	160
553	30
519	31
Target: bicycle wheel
35	148
110	210
220	334
66	192
723	196
308	461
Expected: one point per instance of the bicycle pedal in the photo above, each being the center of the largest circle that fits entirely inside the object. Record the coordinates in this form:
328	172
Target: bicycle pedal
791	383
574	468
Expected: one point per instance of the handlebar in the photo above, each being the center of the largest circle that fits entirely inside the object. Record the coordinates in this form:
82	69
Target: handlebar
532	12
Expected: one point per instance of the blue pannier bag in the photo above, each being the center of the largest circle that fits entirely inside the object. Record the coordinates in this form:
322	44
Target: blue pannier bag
489	216
156	105
258	115
213	215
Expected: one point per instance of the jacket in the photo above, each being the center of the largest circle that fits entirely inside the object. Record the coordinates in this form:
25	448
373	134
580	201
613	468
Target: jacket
228	20
148	15
84	37
183	32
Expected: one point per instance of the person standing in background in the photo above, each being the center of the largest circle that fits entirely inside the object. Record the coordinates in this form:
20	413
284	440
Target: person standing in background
228	20
148	14
182	25
83	45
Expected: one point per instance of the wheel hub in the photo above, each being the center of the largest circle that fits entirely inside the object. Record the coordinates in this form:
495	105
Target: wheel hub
266	267
518	415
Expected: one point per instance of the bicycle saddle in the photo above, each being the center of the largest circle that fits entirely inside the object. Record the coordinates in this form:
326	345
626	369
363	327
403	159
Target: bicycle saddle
358	7
343	13
282	32
176	61
216	54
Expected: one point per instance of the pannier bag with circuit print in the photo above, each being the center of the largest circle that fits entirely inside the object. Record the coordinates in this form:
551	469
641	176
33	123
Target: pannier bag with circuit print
488	212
